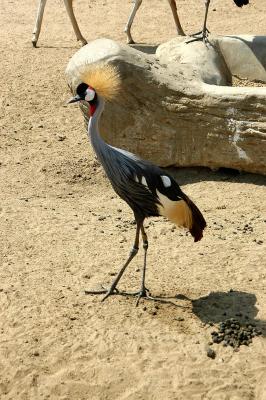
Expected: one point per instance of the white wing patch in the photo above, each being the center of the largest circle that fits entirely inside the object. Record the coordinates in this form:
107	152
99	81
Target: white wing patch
136	179
143	181
166	181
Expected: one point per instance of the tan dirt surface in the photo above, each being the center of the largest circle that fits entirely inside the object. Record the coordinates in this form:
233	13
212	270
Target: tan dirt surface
245	82
64	230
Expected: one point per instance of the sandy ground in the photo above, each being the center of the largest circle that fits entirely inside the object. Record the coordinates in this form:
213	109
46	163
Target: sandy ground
63	230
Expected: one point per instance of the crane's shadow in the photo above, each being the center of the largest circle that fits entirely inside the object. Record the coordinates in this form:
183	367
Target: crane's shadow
216	307
219	306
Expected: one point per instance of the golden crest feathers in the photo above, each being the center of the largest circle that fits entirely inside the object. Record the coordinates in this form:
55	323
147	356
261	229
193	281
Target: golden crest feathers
103	78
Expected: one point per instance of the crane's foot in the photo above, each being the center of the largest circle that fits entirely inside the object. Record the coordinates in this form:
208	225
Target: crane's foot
107	292
143	293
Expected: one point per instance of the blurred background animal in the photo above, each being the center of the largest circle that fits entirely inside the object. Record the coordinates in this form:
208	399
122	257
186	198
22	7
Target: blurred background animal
69	8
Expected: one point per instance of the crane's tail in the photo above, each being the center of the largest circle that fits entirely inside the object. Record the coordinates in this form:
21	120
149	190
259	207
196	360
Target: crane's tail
241	3
198	223
183	212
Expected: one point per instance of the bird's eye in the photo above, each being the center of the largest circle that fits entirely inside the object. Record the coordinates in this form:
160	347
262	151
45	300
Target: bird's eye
90	94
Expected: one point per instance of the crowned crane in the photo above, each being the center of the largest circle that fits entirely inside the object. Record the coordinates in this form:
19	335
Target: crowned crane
146	188
203	35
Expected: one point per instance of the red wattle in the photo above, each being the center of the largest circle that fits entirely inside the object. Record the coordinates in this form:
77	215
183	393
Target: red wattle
92	109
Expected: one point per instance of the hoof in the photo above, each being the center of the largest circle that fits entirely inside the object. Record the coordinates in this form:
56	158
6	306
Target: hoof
83	41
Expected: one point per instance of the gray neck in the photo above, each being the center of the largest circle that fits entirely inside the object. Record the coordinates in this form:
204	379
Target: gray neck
114	161
93	130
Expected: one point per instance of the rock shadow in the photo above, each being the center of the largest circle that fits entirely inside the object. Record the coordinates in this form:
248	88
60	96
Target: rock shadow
188	175
145	48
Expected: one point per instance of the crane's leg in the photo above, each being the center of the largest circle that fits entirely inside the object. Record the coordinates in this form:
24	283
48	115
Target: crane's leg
38	23
143	290
69	8
177	22
133	252
203	35
137	4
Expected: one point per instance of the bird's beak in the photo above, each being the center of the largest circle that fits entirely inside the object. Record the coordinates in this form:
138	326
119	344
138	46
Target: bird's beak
74	99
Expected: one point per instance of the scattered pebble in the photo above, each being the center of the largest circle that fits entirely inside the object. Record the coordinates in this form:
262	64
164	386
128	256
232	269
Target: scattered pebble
211	353
247	228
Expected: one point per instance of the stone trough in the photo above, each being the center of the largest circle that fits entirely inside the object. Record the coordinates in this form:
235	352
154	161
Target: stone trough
178	107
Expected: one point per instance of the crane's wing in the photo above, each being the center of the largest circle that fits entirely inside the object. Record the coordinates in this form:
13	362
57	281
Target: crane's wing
150	191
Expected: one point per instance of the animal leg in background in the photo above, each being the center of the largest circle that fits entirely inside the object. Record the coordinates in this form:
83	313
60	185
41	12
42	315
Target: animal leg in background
69	8
136	6
179	28
38	23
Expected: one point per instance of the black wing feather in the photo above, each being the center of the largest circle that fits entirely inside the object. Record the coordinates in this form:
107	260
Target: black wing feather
125	172
241	3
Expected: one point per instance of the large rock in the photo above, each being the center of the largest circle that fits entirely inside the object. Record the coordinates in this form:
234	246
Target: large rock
177	106
245	55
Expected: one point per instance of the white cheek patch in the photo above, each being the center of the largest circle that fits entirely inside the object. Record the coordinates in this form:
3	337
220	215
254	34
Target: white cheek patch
166	181
90	94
